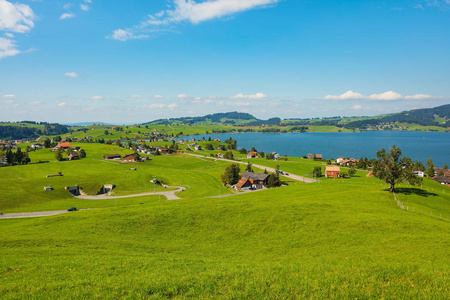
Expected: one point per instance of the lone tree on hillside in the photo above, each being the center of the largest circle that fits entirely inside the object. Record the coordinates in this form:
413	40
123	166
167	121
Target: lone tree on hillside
430	168
231	175
393	168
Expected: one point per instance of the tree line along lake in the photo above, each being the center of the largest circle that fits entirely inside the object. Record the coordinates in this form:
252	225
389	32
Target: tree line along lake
417	145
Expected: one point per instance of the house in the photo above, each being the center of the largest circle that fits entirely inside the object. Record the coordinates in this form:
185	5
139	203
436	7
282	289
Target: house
112	156
257	180
252	154
131	157
439	170
275	155
419	173
243	184
61	146
73	156
318	156
340	159
220	155
198	147
442	180
48	188
311	156
332	171
348	162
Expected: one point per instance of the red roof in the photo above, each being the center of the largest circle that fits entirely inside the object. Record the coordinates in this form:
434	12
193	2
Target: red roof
64	145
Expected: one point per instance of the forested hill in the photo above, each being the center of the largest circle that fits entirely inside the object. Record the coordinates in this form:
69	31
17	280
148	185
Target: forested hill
26	130
230	118
437	116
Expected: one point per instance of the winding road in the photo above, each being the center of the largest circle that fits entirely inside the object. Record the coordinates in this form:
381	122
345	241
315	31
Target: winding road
170	195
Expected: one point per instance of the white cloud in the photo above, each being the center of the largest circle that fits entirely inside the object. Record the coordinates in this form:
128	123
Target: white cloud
419	97
125	35
88	1
238	104
345	96
35	103
172	106
9	96
158	97
16	17
256	96
202	101
182	96
388	96
356	106
8	101
96	98
7	48
192	11
62	104
9	35
84	7
72	74
66	16
135	96
155	105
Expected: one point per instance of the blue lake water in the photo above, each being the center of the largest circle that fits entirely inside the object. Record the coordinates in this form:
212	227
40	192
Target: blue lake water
415	144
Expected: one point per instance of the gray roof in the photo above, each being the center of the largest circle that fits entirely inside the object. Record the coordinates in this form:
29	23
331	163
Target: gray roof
254	176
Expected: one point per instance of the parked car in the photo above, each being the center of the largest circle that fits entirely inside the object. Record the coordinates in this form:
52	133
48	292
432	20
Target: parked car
72	209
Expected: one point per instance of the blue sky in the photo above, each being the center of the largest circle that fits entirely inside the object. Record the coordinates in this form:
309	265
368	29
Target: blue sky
136	61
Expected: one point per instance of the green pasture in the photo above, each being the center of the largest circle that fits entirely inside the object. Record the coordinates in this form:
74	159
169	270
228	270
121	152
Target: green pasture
322	241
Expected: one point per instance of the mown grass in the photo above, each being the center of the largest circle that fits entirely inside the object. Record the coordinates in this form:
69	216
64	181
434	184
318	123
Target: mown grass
318	241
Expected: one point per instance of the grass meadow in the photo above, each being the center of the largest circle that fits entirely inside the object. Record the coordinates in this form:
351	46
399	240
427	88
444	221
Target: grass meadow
337	239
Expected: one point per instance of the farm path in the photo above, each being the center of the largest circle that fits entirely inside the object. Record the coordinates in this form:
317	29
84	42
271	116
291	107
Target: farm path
35	214
170	195
271	170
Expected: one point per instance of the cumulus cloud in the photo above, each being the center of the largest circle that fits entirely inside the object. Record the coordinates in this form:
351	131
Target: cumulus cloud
158	97
257	96
386	96
96	98
62	104
72	74
198	100
16	17
172	106
10	96
182	96
66	16
7	48
84	7
345	96
193	12
356	106
125	35
160	106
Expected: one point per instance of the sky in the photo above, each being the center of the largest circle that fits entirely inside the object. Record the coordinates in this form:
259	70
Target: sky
135	61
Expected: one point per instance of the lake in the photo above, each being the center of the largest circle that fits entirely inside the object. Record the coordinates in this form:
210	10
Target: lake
415	144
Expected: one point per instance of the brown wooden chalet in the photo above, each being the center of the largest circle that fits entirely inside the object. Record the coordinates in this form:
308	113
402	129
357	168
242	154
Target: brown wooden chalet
131	157
252	180
112	156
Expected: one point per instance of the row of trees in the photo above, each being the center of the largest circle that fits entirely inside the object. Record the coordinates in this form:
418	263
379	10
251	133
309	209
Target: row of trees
14	158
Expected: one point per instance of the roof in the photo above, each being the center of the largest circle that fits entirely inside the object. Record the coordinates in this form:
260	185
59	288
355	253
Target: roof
241	182
252	153
112	155
254	176
64	145
332	169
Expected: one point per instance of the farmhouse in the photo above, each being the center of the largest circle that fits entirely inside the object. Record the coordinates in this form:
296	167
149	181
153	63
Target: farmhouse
220	155
112	156
442	180
73	156
252	154
332	171
252	180
61	146
314	156
131	157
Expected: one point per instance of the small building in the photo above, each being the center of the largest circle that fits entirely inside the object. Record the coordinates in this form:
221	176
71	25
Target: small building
243	184
112	156
311	156
198	147
61	146
340	159
132	158
276	156
48	188
318	156
419	173
220	155
442	180
332	171
258	180
73	156
252	154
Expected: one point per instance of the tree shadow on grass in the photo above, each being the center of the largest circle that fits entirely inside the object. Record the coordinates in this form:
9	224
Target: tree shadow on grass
415	191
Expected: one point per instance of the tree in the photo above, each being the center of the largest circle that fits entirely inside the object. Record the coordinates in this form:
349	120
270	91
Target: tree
231	175
317	172
47	143
445	167
249	167
261	154
243	151
352	171
430	168
58	155
253	149
209	146
393	168
228	155
82	153
273	180
106	132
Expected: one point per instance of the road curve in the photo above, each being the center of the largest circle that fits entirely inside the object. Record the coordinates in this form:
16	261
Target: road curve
170	195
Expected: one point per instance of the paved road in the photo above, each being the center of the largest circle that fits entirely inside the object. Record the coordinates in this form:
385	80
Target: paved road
271	170
33	214
170	195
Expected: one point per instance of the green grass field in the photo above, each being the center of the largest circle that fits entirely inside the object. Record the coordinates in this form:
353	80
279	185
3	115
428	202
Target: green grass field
336	239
